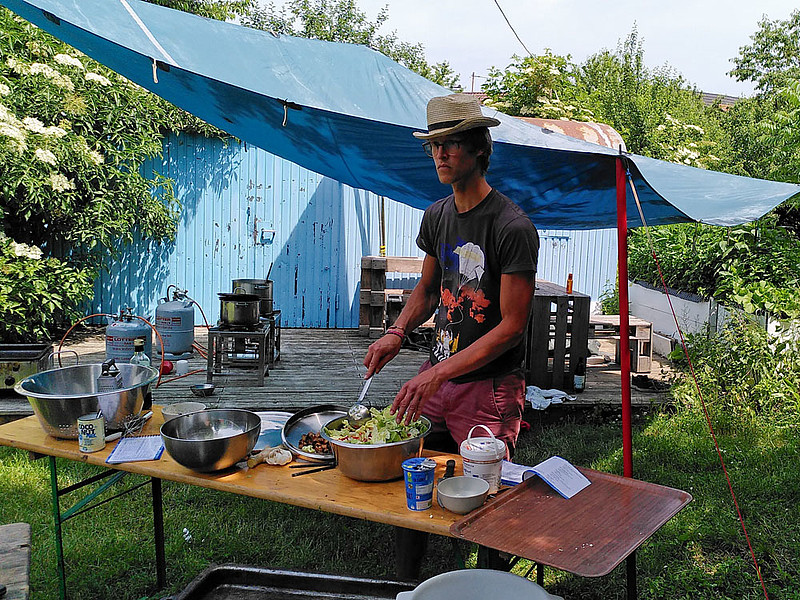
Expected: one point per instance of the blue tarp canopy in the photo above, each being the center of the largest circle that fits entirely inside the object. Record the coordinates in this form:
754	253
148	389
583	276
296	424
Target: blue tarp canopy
347	112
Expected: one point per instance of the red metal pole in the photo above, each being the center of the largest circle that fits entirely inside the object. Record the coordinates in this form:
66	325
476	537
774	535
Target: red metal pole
624	341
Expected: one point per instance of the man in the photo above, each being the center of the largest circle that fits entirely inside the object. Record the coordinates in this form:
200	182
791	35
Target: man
479	270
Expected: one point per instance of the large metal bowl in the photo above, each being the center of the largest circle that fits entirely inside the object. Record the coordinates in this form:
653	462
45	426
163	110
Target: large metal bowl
60	396
211	440
373	462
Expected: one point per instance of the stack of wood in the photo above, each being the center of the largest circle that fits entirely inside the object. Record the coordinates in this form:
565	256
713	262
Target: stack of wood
379	306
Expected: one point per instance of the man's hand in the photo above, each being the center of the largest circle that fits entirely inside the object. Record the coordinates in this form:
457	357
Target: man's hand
381	352
413	395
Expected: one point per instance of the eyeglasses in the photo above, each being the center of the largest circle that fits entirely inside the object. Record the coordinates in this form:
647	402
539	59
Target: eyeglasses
447	145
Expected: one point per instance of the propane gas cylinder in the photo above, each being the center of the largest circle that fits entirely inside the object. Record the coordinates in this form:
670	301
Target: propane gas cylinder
175	323
122	331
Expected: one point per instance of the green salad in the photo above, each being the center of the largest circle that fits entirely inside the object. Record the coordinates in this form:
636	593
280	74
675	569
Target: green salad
381	428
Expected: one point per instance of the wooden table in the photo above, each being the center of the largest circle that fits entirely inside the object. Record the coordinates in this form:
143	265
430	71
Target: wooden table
330	491
640	333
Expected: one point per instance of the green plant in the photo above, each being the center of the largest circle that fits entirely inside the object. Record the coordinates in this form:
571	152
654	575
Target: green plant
752	265
37	294
609	299
537	86
742	371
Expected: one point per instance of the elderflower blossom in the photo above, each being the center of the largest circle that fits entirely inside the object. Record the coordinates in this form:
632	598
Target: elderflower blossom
49	72
45	156
54	131
15	134
26	251
98	78
60	183
67	60
33	124
13	64
96	157
4	89
6	116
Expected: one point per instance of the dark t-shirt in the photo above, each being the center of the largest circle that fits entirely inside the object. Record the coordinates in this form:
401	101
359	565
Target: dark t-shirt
474	249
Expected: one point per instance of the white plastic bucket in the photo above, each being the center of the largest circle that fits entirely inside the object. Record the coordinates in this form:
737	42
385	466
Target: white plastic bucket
483	457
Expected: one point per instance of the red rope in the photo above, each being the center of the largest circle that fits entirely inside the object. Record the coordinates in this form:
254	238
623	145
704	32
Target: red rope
700	395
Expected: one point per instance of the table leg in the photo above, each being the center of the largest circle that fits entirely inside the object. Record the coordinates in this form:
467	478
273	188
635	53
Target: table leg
540	574
409	549
62	578
630	568
158	534
210	360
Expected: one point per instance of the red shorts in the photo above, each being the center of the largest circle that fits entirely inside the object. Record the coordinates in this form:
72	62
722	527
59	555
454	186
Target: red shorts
497	403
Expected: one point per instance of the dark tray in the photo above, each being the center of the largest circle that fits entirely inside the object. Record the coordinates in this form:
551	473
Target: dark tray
236	582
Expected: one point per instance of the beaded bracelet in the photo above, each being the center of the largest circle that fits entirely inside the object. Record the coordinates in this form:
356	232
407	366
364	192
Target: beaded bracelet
402	329
397	333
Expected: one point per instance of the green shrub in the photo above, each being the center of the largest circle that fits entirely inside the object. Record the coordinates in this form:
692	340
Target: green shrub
742	372
37	295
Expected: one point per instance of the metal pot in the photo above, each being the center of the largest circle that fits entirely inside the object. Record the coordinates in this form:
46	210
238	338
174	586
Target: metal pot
238	310
261	288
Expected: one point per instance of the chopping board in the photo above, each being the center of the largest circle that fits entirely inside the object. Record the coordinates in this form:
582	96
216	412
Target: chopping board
588	534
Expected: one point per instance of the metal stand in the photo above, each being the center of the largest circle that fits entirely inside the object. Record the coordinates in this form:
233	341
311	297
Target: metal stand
86	504
229	348
274	338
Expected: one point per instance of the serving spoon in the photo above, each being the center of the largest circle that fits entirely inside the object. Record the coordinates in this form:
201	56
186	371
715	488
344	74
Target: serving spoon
358	413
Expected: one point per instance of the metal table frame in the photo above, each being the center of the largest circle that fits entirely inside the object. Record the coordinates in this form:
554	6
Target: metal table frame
88	503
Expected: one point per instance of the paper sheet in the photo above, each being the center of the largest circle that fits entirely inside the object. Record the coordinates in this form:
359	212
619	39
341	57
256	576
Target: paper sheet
133	449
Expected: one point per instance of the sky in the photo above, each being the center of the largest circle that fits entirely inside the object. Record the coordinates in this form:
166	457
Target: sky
698	38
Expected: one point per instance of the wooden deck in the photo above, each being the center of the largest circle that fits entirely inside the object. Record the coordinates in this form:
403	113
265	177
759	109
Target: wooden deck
321	366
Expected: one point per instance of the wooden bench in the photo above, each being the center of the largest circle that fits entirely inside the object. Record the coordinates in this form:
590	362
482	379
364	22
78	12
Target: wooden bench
15	560
640	334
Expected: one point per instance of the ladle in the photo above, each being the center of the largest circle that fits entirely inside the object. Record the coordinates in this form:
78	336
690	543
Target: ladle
358	413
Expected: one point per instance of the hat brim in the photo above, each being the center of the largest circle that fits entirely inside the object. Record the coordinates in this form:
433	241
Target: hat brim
463	126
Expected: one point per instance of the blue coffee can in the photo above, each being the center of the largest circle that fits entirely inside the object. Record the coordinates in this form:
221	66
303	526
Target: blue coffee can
418	475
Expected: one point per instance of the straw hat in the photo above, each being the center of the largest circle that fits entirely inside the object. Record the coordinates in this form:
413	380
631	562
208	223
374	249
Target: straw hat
454	113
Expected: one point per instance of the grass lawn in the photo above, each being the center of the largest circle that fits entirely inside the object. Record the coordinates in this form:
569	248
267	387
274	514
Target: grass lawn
700	553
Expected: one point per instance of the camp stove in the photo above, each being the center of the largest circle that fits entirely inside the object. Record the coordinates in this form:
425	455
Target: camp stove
18	361
235	350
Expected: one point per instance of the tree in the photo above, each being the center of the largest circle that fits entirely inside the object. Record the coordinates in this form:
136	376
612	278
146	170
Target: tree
655	111
774	55
343	21
222	10
537	86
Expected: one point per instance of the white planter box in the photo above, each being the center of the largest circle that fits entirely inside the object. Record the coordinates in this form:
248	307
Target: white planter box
652	305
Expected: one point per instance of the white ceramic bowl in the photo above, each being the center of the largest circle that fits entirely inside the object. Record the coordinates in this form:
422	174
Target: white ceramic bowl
462	494
181	408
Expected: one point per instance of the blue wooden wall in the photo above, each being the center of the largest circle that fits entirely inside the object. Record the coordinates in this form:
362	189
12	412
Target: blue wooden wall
245	210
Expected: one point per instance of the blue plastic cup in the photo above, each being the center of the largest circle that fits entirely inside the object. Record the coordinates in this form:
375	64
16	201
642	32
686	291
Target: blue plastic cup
418	475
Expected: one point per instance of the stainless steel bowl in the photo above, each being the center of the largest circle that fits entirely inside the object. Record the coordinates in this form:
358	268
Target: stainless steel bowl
373	462
203	390
60	396
211	440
